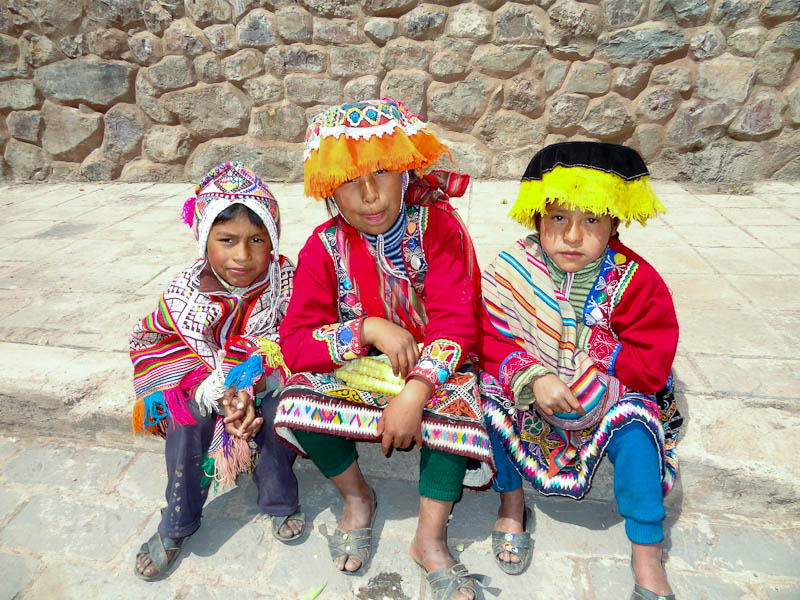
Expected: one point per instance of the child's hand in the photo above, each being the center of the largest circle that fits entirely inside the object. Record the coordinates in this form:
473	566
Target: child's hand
394	341
240	414
553	395
401	421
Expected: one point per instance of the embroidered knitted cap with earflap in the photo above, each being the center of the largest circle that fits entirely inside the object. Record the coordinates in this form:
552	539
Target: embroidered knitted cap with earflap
227	184
606	179
351	140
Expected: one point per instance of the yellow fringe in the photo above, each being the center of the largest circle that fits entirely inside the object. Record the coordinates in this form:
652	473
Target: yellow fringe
589	190
341	159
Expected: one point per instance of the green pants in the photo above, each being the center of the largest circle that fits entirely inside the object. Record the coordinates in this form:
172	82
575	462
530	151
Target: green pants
440	473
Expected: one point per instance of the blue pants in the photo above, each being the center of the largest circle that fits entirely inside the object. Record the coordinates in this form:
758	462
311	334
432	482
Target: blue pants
637	480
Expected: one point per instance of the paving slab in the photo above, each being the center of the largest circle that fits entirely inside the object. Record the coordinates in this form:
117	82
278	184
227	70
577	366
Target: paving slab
17	571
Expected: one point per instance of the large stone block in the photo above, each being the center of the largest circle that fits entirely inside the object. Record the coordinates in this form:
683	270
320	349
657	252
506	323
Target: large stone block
502	61
17	94
649	140
353	61
38	50
25	125
264	89
208	68
271	160
379	30
72	46
243	65
146	47
26	161
649	42
388	8
123	132
121	12
573	29
608	119
469	155
760	119
401	53
156	18
590	78
657	104
793	95
9	49
165	144
425	22
747	41
707	42
524	94
147	99
623	13
53	16
519	24
337	31
171	73
735	162
459	105
94	167
240	7
697	124
281	122
70	134
675	78
505	130
729	14
256	29
407	85
185	38
209	110
554	76
203	12
107	43
91	80
294	24
143	170
308	59
305	90
448	66
511	164
789	36
773	65
469	21
360	88
685	12
566	111
725	77
332	8
775	11
630	81
221	37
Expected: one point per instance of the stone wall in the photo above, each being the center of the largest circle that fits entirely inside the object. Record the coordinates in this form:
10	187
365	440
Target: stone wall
707	90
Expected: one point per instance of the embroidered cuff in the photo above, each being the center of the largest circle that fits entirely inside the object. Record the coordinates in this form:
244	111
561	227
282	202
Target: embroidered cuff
603	349
513	364
437	362
343	340
522	394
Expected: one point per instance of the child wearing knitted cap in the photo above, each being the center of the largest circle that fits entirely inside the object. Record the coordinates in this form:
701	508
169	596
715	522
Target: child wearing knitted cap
392	273
578	335
207	370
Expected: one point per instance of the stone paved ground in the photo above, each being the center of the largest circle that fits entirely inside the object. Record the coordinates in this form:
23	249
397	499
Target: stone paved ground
80	263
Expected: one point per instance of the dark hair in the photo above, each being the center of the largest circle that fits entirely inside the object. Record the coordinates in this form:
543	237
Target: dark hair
330	207
234	210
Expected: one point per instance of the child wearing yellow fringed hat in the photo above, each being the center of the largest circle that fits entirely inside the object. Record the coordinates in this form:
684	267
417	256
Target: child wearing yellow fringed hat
207	369
578	335
393	273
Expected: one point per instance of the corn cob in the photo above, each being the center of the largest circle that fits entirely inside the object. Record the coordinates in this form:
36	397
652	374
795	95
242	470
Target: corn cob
371	374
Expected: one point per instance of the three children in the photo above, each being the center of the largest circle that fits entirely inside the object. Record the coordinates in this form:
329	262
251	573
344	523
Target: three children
575	337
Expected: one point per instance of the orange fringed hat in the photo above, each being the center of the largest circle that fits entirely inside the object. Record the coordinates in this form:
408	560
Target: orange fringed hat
351	140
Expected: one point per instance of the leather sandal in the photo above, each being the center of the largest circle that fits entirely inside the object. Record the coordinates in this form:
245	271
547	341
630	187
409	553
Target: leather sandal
447	581
158	547
518	544
278	522
356	543
641	593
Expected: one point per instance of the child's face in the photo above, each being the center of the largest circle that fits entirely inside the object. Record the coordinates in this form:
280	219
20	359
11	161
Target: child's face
238	250
371	203
574	238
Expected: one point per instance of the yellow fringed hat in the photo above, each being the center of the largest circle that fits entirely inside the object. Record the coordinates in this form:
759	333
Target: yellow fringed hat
351	140
606	179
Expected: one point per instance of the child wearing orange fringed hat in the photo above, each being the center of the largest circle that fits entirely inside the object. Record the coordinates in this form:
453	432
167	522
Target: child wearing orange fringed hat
393	273
207	369
577	341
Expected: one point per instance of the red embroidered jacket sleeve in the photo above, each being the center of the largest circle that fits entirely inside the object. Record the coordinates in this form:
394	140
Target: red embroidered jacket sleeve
646	327
449	295
312	338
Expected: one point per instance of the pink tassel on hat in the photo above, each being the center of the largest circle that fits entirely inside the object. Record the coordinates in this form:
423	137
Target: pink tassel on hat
187	215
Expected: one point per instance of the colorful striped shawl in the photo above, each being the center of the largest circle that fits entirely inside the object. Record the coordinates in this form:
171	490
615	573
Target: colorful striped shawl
524	305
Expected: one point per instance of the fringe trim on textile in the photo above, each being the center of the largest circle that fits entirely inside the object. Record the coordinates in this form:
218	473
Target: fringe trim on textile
341	159
150	412
142	421
227	457
245	374
273	357
590	190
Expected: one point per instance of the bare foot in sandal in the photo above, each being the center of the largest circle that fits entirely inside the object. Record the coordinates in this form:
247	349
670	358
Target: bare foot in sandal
157	555
292	528
509	519
359	506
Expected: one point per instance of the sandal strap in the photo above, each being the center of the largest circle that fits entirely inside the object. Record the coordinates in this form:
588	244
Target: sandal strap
447	581
280	521
640	593
515	543
158	546
356	543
